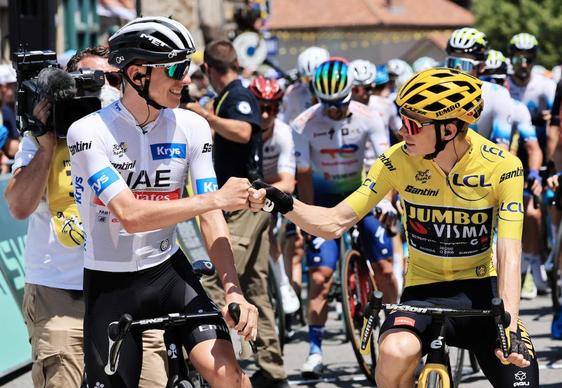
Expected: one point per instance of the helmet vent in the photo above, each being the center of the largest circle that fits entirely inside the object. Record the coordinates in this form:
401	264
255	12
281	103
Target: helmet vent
434	107
455	97
437	89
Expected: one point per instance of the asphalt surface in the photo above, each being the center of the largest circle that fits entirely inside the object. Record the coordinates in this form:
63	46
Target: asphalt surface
341	367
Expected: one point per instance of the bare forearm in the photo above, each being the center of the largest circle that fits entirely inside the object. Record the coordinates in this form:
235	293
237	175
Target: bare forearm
140	215
27	186
216	237
233	130
535	154
509	276
328	223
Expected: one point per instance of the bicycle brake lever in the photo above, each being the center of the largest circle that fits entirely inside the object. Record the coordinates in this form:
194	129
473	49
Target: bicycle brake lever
234	311
116	333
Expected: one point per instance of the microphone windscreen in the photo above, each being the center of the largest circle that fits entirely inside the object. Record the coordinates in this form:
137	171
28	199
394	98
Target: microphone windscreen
55	84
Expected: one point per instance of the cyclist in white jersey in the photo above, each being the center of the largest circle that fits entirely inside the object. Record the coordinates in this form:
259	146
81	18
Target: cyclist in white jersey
382	103
330	142
466	50
534	90
537	93
278	170
130	162
300	95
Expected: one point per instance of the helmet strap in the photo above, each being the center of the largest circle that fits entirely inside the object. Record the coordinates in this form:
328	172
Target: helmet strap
143	91
439	142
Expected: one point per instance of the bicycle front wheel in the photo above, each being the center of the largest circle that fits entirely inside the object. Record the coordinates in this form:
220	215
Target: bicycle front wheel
357	286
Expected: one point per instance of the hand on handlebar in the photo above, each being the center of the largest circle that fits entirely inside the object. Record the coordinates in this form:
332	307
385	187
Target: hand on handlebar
386	214
247	325
519	353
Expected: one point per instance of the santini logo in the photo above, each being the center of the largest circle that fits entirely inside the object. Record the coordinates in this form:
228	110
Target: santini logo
168	151
79	146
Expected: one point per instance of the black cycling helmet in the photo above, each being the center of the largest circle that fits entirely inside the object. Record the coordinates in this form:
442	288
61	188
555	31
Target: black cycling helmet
151	40
468	41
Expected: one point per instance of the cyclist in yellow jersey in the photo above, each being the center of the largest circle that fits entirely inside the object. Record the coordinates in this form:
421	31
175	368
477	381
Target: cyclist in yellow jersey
456	189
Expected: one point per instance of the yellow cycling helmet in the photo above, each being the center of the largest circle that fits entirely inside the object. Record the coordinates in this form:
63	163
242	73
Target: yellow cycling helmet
443	94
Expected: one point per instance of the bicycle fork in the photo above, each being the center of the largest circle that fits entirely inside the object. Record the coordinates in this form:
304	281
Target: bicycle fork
437	361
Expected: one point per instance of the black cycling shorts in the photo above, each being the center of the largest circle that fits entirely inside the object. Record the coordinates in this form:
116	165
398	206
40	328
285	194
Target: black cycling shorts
477	334
166	288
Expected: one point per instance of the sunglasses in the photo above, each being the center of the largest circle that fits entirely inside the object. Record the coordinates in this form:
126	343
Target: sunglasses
335	104
177	71
113	78
270	109
413	126
521	60
464	64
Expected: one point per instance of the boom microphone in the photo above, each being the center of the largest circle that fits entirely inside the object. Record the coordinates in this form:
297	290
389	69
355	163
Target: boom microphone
55	84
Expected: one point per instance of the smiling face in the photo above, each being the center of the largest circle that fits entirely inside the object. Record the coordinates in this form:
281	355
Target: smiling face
164	90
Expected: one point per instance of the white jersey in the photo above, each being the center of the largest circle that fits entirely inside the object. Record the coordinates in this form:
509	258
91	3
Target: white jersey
521	122
388	112
279	152
335	149
297	99
47	261
111	153
538	94
385	108
495	120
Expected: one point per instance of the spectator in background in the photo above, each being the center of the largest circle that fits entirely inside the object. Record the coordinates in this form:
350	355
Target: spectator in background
10	145
238	152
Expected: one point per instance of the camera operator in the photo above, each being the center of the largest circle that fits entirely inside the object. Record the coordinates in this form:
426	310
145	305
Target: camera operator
53	305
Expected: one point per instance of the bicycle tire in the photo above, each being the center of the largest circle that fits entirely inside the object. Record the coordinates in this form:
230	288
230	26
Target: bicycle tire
274	294
357	286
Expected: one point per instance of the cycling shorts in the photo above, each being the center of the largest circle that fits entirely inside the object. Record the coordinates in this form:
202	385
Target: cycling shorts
477	334
376	245
169	287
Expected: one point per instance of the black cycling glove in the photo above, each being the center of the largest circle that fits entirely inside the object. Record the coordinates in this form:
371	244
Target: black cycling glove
275	199
518	346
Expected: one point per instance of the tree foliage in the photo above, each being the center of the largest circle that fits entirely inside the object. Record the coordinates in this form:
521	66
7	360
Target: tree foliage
501	19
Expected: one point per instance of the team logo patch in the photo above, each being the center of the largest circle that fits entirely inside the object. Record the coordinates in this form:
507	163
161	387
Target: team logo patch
168	151
244	107
206	185
448	232
404	321
102	179
423	176
120	149
481	271
164	245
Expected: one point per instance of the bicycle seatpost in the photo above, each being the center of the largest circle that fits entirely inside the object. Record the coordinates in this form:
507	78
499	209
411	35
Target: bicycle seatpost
116	333
502	319
369	319
234	311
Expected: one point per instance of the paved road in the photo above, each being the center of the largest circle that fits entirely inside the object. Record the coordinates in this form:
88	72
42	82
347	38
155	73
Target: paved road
342	370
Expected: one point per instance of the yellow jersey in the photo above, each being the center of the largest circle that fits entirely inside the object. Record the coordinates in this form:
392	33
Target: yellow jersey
449	219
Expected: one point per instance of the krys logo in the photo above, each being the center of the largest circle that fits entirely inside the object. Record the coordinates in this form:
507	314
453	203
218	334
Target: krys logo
206	185
168	151
78	189
448	232
102	179
346	151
